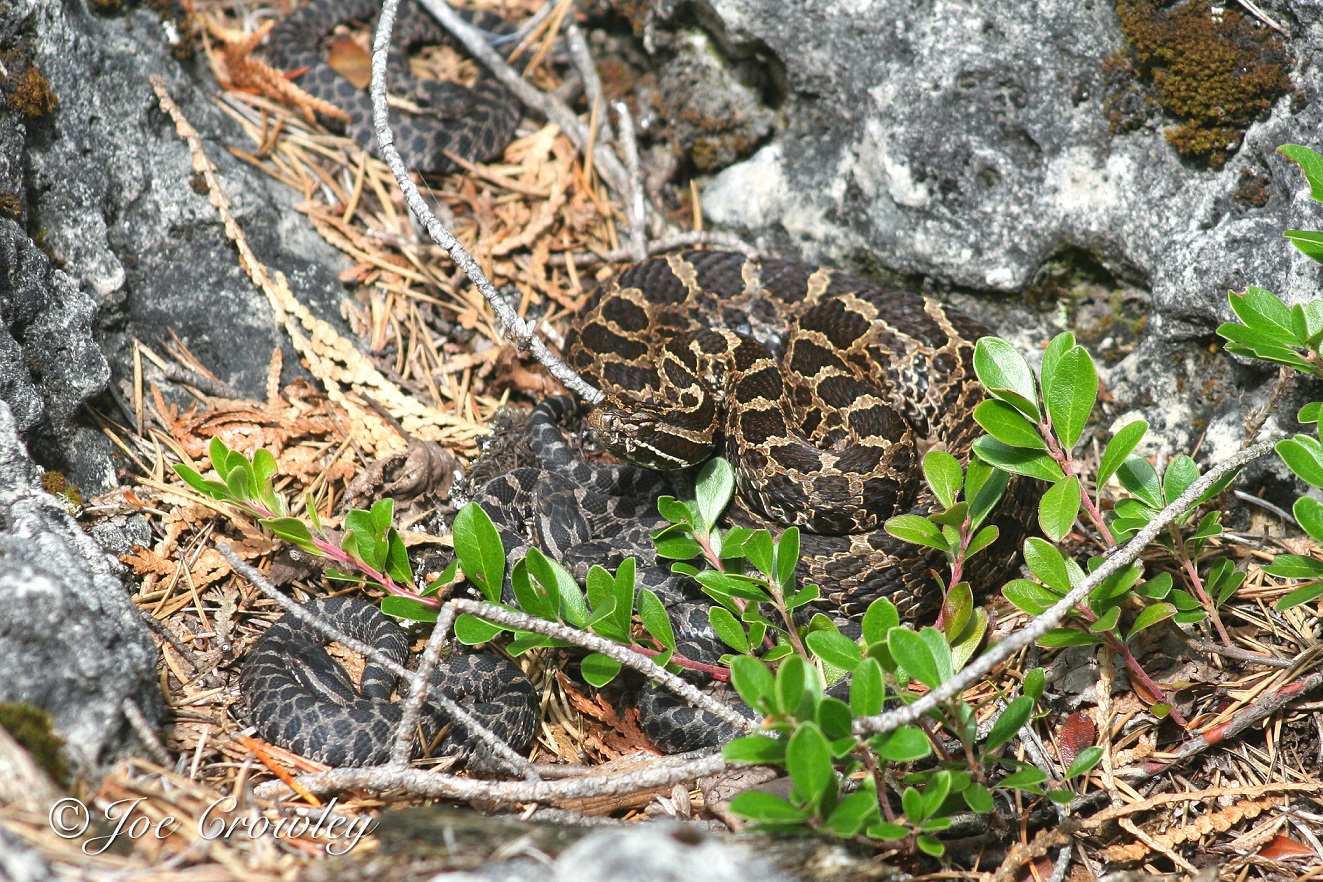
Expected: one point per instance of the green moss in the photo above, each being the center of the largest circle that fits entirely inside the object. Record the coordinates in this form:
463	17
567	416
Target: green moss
1214	74
31	727
57	484
28	92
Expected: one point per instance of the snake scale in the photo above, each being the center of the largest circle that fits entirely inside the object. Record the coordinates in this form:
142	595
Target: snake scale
475	123
819	387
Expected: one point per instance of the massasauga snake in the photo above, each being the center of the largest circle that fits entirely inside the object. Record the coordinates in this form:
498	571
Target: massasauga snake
819	387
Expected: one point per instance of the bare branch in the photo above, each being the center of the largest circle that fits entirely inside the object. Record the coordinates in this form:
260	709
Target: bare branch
517	330
664	773
609	648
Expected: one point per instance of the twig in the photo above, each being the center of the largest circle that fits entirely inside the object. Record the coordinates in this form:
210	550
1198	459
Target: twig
145	731
1262	16
1122	557
443	786
609	648
1264	707
517	330
657	246
554	111
411	707
1239	654
636	205
475	729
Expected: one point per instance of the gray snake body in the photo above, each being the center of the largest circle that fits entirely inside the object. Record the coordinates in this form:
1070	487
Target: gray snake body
475	123
300	698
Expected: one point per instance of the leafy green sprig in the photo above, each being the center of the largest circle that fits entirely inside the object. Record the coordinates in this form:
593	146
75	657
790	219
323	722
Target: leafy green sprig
369	550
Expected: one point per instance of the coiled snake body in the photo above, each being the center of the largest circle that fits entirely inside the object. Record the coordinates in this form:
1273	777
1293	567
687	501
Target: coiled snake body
300	698
821	389
475	123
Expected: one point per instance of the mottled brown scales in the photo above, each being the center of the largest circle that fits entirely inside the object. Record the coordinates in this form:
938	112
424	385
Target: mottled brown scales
823	428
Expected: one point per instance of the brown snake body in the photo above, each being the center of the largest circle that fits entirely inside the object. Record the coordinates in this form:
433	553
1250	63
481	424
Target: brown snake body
818	386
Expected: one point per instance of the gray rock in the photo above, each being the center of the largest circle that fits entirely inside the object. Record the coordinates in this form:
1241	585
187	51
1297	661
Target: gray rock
661	852
71	642
49	363
112	187
968	144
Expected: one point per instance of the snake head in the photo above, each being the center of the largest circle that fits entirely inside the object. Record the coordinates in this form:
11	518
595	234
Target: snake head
645	439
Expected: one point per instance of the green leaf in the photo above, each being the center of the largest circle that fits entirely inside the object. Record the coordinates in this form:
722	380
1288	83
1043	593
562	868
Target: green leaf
1264	312
930	846
939	787
712	490
1034	683
835	649
1030	597
1010	721
1139	477
598	669
471	630
943	473
982	539
1008	425
1301	595
1060	345
1047	563
1310	163
834	718
1069	398
728	628
978	798
478	547
1017	460
753	681
1006	375
1309	242
1122	443
1309	514
1295	566
808	760
867	689
984	486
1085	760
679	545
887	832
880	617
787	556
557	582
790	684
652	612
1058	508
911	651
760	550
1025	779
1304	456
212	489
1150	616
765	808
1311	412
293	531
408	608
219	455
758	750
1059	637
903	745
853	812
1180	474
916	529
